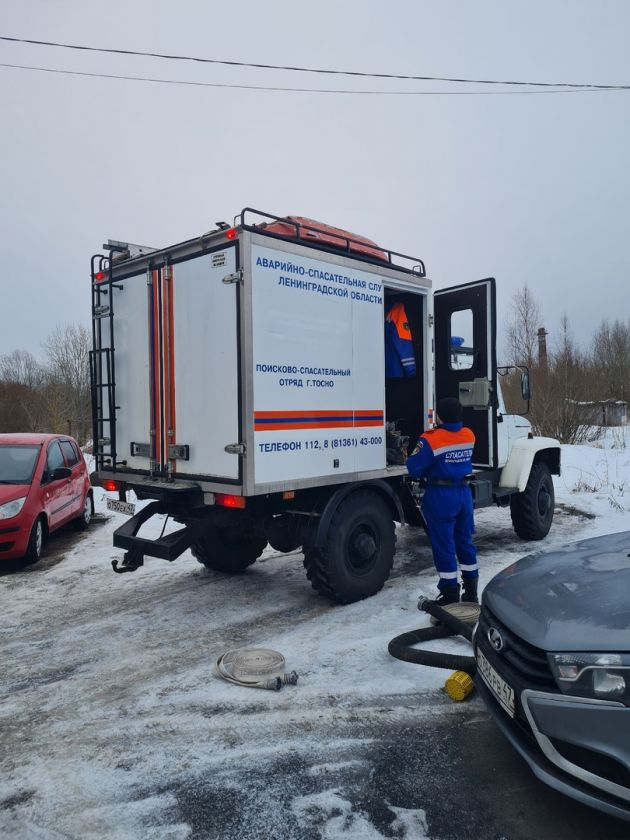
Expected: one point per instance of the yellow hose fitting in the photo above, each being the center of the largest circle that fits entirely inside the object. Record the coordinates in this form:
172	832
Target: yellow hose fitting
459	685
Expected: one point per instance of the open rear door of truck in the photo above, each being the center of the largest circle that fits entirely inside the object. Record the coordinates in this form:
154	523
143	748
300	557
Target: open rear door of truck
465	360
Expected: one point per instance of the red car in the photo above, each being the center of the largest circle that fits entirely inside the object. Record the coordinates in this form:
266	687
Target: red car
44	483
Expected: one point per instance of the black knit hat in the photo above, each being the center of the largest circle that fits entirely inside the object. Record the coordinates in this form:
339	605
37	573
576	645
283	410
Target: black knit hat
449	410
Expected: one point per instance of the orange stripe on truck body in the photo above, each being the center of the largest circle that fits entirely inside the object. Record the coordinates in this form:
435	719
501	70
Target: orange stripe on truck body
157	369
169	361
273	421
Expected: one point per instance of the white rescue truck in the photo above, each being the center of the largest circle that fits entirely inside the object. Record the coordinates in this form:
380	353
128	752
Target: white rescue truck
239	382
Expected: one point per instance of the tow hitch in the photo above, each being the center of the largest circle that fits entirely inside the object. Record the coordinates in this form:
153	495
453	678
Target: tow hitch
166	546
131	561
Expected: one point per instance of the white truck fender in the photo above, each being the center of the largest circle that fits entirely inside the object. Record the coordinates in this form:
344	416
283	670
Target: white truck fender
519	464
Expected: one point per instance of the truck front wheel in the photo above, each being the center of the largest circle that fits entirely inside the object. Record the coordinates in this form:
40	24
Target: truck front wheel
532	510
358	554
229	550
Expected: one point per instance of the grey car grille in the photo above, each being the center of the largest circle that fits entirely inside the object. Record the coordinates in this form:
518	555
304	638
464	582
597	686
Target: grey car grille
528	662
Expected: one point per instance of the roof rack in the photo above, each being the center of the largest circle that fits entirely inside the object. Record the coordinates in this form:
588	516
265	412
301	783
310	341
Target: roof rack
327	238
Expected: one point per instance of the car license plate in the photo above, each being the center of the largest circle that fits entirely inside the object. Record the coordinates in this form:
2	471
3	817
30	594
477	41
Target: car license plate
497	685
121	507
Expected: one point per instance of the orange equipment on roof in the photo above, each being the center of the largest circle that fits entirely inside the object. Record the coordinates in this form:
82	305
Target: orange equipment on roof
298	227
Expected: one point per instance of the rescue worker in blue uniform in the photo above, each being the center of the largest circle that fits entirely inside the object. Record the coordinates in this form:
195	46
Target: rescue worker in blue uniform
443	456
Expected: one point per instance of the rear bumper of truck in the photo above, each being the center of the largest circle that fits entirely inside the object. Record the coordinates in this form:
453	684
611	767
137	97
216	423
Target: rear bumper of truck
168	546
173	492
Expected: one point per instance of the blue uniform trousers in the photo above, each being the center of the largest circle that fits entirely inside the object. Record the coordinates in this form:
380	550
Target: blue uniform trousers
448	512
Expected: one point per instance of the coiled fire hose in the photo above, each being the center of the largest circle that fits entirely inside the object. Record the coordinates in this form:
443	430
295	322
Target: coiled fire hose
255	668
449	625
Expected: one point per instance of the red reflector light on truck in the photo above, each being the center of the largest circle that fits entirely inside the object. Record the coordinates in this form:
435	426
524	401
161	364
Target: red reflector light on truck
231	233
110	484
100	276
226	500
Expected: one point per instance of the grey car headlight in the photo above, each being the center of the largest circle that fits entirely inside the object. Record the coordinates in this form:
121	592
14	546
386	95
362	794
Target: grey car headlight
9	509
601	676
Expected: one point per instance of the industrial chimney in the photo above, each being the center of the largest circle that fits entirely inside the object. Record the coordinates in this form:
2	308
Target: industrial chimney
542	347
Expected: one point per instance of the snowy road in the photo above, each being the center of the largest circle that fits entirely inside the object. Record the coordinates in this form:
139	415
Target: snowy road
113	725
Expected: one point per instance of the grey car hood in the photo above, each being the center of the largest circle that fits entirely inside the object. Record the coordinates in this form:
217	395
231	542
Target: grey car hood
573	599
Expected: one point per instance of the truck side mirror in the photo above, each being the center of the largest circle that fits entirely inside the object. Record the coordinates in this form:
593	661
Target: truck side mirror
525	389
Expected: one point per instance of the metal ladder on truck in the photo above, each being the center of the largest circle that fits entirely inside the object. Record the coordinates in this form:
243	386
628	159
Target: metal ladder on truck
102	364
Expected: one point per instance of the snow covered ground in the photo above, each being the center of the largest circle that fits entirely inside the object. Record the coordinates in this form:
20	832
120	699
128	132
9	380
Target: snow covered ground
112	723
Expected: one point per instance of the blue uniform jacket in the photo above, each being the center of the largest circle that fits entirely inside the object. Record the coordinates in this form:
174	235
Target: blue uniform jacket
443	453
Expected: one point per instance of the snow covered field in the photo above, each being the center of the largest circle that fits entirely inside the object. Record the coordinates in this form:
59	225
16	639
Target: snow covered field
112	723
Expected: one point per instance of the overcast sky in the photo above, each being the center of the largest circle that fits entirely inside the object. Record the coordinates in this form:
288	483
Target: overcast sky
527	188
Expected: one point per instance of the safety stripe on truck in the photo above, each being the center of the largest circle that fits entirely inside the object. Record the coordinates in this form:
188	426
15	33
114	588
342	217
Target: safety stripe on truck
156	371
169	430
270	421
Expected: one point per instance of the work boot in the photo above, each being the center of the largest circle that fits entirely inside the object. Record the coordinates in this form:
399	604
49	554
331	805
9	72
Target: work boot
470	590
448	595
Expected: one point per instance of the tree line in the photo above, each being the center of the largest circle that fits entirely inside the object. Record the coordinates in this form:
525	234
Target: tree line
568	381
52	395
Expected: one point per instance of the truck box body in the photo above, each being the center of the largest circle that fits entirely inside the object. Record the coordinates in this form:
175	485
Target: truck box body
250	363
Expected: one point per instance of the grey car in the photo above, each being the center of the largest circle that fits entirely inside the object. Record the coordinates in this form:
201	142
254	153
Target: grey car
553	666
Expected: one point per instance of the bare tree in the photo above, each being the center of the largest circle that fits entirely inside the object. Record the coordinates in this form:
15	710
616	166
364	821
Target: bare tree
562	381
21	367
560	410
22	406
68	380
521	334
50	397
522	328
611	358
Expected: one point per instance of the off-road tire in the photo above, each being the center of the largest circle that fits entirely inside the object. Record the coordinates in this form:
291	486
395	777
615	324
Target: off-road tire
229	550
82	522
532	510
35	541
344	569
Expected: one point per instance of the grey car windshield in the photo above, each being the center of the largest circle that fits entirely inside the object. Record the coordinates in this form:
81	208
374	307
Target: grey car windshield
17	463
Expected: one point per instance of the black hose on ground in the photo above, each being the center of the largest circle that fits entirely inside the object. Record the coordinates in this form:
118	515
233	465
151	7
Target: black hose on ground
401	647
457	627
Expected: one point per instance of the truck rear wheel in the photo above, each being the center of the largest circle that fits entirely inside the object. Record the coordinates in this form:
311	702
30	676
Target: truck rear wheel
358	555
229	550
532	510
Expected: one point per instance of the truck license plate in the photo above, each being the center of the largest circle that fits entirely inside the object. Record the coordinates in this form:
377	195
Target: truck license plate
497	685
121	507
